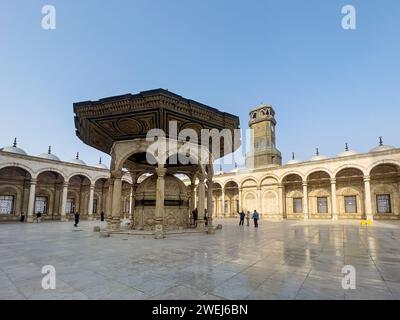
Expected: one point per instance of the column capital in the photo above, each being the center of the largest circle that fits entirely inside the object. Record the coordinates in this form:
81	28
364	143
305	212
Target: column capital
92	186
305	184
33	181
161	171
65	184
367	178
333	180
280	185
116	174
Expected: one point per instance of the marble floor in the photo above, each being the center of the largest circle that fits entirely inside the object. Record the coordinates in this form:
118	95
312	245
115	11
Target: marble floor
281	260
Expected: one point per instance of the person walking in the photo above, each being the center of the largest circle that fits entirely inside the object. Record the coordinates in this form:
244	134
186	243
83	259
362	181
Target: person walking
242	215
195	216
256	216
248	218
102	216
38	217
22	219
76	219
206	217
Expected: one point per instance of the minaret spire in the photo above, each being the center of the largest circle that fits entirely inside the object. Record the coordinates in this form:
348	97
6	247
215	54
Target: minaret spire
15	143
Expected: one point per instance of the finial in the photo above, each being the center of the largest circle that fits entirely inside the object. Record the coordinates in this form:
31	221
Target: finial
220	167
293	156
317	151
380	141
77	156
346	147
100	161
236	165
15	143
49	150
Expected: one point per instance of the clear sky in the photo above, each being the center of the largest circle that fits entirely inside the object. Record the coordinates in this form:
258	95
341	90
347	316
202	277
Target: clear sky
328	85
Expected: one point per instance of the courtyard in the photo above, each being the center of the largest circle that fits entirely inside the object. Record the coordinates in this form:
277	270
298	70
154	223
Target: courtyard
281	260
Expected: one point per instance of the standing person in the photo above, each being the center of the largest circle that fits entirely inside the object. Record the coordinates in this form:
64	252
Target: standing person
38	217
248	218
256	216
206	217
22	216
102	216
242	215
195	216
76	219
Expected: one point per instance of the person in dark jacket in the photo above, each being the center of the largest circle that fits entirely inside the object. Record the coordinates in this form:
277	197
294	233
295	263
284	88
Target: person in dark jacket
195	216
76	219
22	219
256	216
102	216
206	217
242	216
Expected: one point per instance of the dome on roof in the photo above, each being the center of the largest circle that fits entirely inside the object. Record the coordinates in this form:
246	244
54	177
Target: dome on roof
293	160
381	146
318	157
49	155
100	165
14	149
77	160
347	152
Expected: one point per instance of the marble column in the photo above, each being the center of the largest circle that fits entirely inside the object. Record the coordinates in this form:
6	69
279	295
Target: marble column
281	196
305	200
192	201
31	201
90	204
210	208
240	199
115	221
223	203
63	205
259	201
160	196
367	198
335	214
132	198
202	195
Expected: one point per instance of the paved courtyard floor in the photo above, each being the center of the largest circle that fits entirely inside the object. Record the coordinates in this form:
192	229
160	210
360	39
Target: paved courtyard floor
282	260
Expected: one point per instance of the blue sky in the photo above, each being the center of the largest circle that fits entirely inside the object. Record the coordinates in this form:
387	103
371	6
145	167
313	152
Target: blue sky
328	85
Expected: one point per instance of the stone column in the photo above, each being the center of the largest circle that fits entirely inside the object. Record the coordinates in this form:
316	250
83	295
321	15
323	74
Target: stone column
115	220
367	198
281	195
259	201
240	199
305	200
192	201
335	214
160	195
90	204
210	207
31	201
64	202
223	203
202	195
132	203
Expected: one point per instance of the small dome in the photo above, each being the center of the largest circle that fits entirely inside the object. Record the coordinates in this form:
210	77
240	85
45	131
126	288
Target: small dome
100	165
347	152
77	160
318	157
14	149
381	146
49	155
294	160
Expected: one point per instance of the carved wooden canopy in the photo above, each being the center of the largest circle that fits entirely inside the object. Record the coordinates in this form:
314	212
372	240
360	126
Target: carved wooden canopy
101	123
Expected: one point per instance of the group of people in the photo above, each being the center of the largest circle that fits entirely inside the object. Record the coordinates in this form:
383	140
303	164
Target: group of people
76	217
248	216
195	217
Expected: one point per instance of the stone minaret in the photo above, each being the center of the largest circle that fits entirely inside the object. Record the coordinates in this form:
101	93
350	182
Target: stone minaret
263	151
